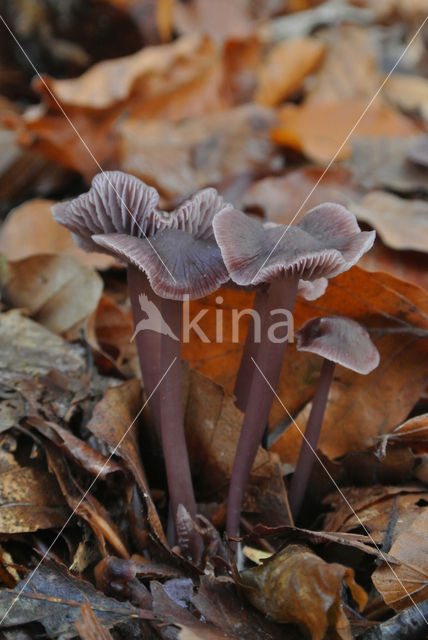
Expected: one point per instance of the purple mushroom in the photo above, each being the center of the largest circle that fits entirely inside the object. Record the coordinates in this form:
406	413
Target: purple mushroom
171	256
338	340
278	260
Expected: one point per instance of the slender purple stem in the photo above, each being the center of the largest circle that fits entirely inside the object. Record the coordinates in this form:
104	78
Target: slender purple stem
148	341
158	353
270	355
302	472
246	367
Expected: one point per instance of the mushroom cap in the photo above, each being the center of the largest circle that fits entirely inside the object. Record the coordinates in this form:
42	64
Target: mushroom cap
340	340
326	242
177	250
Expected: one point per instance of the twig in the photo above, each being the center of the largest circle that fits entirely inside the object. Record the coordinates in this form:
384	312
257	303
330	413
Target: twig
406	625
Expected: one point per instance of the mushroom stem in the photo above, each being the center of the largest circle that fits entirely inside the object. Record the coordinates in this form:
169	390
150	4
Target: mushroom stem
246	367
270	354
158	353
302	472
148	341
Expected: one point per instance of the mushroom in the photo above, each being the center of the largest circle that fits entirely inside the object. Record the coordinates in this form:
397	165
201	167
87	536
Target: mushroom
338	340
279	259
170	257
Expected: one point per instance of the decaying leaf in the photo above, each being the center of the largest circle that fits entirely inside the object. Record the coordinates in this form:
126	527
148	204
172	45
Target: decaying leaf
411	266
412	433
396	314
54	597
31	230
179	158
57	291
386	511
28	349
401	223
383	163
409	581
319	130
343	76
285	68
409	93
89	627
114	421
280	198
29	498
213	425
297	586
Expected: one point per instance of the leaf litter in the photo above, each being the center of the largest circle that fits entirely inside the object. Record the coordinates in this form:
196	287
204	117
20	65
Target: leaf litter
254	99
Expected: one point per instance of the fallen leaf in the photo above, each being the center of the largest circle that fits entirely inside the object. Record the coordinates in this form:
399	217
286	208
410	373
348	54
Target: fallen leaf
412	433
57	291
28	349
396	314
411	266
383	164
29	498
222	20
114	422
219	604
179	158
383	510
401	223
85	505
343	76
409	93
409	582
280	198
89	627
297	586
320	130
30	229
54	598
285	67
131	77
213	425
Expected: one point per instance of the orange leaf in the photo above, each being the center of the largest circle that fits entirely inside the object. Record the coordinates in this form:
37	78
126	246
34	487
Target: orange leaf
320	130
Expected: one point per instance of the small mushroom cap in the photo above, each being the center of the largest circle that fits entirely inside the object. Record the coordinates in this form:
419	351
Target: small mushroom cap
326	242
116	202
177	250
340	340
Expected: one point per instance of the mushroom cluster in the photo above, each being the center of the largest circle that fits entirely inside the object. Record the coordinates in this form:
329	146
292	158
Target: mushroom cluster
189	253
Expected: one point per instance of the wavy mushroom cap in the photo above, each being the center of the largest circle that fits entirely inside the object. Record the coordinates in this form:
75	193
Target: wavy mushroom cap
326	242
177	250
340	340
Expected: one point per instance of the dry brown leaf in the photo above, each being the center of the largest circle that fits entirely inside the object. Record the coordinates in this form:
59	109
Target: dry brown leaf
411	266
285	67
279	198
410	578
401	223
89	627
85	505
29	498
109	331
30	229
319	130
409	93
297	586
412	433
213	425
397	314
57	291
220	20
179	158
345	76
28	349
378	163
384	510
114	422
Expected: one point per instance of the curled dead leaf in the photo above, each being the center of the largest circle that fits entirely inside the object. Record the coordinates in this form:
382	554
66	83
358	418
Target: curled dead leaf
297	586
